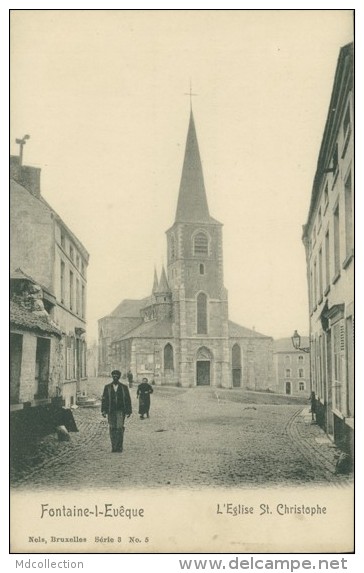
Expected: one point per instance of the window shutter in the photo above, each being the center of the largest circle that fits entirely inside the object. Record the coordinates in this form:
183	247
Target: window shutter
342	337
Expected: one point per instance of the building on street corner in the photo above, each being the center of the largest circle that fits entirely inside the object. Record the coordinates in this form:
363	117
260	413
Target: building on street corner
292	367
46	255
181	334
328	237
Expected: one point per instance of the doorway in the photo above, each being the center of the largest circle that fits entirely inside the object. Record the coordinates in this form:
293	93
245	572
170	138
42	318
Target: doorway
42	367
203	372
288	388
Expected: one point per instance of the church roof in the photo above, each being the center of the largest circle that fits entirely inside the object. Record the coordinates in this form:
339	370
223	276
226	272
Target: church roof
130	308
153	329
285	344
192	202
237	331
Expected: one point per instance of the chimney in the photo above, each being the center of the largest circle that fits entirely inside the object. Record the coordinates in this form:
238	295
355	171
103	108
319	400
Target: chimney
30	179
25	175
15	167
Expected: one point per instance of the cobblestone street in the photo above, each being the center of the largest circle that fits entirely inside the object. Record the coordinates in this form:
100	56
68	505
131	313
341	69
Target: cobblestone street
195	437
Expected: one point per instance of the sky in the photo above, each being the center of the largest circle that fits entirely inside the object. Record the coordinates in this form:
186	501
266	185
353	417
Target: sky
102	95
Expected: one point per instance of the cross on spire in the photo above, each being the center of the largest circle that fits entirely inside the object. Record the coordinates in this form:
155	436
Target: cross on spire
21	143
190	94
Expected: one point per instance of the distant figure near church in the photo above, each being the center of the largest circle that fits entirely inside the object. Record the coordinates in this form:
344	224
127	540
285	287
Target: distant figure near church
143	393
116	405
130	378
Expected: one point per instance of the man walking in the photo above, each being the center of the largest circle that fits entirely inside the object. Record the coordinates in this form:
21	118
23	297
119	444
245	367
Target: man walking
116	405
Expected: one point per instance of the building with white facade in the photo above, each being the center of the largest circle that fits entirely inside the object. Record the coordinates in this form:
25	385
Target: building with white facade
328	237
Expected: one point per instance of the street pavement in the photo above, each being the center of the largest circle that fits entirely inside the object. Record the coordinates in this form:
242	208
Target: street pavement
195	437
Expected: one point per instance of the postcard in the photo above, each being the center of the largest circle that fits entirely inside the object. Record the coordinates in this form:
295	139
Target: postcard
182	281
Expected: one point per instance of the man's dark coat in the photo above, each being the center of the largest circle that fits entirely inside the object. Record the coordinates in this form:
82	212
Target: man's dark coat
122	402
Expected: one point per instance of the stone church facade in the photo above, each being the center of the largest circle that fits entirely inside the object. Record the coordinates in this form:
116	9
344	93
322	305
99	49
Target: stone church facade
181	334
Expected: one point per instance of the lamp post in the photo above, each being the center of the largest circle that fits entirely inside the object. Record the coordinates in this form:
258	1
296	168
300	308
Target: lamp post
296	341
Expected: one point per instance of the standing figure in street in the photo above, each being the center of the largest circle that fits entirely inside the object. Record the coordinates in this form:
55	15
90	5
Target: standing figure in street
143	393
116	405
312	399
130	378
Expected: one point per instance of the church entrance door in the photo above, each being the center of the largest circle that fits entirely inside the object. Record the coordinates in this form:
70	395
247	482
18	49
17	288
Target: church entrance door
203	372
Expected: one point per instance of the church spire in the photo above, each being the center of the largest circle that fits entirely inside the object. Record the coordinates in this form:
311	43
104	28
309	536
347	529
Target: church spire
155	281
163	283
192	202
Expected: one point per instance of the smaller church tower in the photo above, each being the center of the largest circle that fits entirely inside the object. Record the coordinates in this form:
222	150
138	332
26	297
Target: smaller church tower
163	298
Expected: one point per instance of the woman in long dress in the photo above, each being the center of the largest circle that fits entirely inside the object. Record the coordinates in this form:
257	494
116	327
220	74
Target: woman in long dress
143	393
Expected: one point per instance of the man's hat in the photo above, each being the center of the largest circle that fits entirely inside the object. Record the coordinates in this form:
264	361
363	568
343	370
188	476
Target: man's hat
116	373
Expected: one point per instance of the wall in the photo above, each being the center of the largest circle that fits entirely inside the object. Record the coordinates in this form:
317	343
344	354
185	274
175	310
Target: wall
27	369
74	263
145	357
111	327
27	373
31	231
257	362
184	268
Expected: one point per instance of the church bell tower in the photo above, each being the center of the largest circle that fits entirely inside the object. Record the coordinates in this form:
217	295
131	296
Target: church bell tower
195	277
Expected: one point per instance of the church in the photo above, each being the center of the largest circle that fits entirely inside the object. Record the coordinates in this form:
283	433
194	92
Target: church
181	334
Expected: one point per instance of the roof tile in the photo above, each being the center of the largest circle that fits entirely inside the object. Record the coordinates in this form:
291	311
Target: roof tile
24	318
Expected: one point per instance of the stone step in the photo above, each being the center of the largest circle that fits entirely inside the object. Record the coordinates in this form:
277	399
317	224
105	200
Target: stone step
85	402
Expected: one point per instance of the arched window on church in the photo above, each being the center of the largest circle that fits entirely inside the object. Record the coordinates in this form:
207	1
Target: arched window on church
168	357
201	313
173	247
201	244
